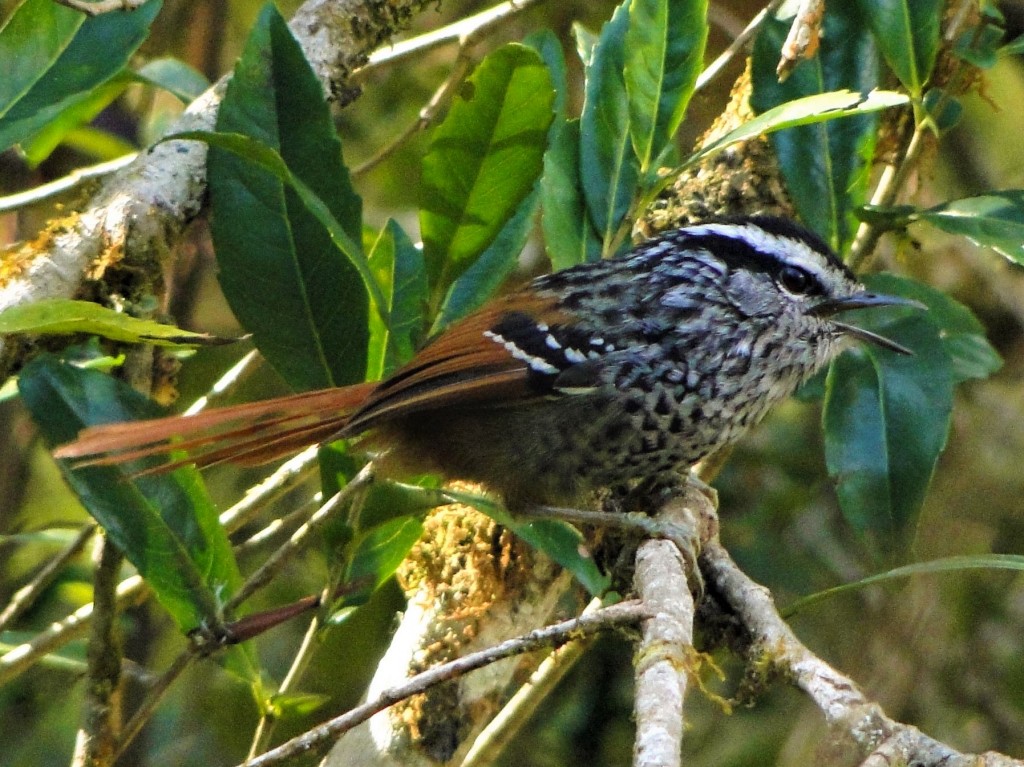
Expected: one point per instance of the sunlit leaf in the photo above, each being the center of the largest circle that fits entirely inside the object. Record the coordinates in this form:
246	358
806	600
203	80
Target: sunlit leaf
64	316
483	161
664	54
994	220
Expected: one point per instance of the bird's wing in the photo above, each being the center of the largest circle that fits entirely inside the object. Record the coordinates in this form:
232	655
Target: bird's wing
514	349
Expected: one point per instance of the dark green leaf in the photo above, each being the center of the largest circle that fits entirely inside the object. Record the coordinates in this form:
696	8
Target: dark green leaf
482	280
961	332
397	266
379	552
886	417
63	316
825	165
549	47
559	540
907	33
291	277
664	54
994	220
483	161
55	57
175	77
1014	47
568	233
166	525
608	164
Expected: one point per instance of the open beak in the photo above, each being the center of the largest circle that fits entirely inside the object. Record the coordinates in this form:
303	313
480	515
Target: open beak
865	300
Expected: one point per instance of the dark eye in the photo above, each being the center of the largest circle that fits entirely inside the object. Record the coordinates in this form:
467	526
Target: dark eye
795	280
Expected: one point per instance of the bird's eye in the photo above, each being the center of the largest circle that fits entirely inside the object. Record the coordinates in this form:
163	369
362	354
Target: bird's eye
795	280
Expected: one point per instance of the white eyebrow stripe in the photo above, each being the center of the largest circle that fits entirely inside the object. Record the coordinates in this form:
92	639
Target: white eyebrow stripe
797	252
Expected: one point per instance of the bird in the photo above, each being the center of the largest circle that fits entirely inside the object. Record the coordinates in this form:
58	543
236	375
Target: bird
608	374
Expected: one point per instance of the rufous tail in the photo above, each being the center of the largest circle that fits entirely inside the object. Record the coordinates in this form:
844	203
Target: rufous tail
249	434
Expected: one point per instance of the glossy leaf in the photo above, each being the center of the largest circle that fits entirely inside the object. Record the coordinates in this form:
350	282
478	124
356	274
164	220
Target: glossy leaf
664	54
483	161
175	77
166	524
804	111
64	316
568	232
55	57
962	334
397	266
907	33
608	166
483	279
886	417
379	552
994	220
825	165
290	275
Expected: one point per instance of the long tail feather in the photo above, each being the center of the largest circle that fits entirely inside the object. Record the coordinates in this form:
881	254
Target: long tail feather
248	434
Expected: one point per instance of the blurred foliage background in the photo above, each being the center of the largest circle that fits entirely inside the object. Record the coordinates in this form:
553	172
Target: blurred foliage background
941	652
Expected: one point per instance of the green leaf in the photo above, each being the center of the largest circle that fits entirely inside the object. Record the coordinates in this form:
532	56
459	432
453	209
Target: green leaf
483	161
1014	47
482	280
398	268
804	111
957	564
907	33
559	540
78	112
886	417
980	45
608	164
664	54
286	222
166	525
379	552
55	57
174	76
568	232
994	220
549	48
962	334
63	316
825	166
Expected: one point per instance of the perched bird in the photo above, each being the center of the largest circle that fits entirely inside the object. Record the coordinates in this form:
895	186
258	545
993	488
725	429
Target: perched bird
601	375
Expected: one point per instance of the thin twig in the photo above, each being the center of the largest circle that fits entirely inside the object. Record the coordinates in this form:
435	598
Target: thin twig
154	695
500	731
317	740
467	32
715	67
59	186
225	383
471	28
24	597
299	539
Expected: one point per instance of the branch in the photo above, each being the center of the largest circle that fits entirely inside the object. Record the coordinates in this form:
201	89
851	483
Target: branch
878	739
98	7
664	654
316	741
139	213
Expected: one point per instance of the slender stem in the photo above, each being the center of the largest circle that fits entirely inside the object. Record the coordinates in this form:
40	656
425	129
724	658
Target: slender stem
74	179
317	740
24	597
155	694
